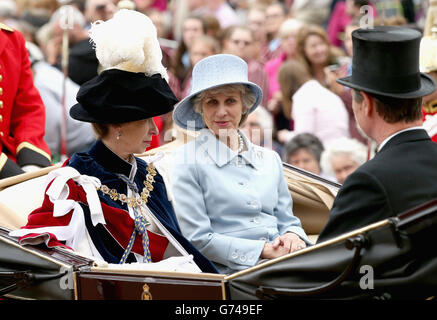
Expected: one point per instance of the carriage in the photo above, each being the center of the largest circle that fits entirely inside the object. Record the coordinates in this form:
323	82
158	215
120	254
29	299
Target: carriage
386	260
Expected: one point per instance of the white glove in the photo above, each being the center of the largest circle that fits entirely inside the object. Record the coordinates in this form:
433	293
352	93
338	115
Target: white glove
30	168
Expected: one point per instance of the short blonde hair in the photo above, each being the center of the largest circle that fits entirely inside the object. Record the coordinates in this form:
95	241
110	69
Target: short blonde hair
248	98
288	26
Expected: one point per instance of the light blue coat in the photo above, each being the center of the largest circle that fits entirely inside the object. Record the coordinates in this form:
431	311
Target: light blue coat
229	205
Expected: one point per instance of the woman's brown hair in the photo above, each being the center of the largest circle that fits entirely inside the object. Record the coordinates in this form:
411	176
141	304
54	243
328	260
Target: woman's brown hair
302	37
291	76
101	130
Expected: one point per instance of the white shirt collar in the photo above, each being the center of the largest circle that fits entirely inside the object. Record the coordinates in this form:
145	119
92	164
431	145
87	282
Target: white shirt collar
395	134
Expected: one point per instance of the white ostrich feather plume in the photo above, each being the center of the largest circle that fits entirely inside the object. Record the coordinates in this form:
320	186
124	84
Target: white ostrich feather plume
428	54
128	42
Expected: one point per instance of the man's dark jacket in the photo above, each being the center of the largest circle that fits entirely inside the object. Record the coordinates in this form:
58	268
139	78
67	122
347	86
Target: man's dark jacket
402	175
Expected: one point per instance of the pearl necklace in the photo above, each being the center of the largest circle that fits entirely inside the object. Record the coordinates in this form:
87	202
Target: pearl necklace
241	143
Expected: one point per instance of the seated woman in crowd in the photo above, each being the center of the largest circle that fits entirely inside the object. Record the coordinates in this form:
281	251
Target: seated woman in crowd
106	203
231	198
342	157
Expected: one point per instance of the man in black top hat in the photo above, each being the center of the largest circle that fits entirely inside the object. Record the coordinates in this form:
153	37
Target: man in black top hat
387	90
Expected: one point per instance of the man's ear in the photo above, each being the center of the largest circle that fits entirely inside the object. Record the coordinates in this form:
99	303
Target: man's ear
368	104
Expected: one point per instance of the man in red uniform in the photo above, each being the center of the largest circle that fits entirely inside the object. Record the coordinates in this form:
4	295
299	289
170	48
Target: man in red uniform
22	112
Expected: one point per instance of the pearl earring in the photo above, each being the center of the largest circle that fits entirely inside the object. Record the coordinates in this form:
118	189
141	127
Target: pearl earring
118	136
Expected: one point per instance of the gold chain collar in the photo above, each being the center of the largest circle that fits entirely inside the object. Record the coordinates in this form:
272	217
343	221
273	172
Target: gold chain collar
430	107
135	200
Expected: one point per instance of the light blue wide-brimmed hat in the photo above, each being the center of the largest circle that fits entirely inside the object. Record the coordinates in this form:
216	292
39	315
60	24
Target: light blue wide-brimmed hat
212	72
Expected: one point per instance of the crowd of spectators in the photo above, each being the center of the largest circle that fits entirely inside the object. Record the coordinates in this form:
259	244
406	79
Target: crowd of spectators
295	50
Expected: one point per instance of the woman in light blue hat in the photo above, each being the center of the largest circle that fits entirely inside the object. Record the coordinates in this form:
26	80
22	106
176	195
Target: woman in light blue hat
230	196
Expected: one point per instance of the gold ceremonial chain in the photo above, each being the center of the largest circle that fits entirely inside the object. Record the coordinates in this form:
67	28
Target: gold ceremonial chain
133	201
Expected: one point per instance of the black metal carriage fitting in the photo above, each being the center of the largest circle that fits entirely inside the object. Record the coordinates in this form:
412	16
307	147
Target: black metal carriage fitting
23	279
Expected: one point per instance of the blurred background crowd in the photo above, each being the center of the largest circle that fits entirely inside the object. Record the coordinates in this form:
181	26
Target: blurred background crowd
295	51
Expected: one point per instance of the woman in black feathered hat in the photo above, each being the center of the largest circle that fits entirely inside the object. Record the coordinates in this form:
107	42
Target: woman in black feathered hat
106	203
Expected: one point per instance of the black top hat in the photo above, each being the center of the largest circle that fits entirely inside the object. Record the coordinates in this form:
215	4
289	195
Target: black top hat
117	96
386	62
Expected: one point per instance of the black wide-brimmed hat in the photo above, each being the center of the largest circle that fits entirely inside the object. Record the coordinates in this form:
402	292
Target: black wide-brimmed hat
386	62
117	96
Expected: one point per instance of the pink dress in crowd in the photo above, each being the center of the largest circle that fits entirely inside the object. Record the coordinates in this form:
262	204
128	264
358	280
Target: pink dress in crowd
272	68
318	111
160	5
339	20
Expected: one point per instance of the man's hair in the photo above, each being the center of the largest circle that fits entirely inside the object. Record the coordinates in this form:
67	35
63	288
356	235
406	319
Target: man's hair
394	110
